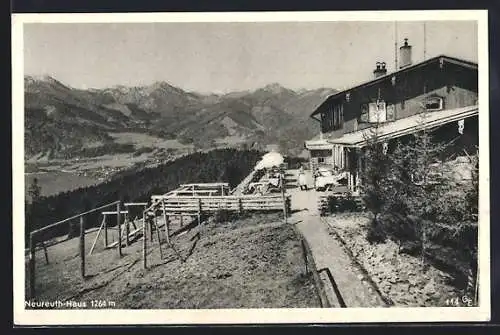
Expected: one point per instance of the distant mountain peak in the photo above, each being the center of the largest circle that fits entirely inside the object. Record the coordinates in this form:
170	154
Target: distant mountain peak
37	81
43	78
40	77
161	84
276	88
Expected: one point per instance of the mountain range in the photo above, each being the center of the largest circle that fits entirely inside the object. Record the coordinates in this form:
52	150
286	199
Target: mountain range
61	120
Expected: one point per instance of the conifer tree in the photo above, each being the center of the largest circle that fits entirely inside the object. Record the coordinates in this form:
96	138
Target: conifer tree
417	179
35	190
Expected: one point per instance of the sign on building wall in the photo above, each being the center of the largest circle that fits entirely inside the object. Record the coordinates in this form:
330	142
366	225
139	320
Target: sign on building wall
377	112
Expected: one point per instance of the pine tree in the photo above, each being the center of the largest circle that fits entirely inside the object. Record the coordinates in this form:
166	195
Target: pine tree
35	190
32	210
374	174
418	180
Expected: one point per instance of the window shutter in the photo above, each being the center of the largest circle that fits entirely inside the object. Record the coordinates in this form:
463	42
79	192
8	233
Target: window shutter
341	123
391	113
335	117
364	113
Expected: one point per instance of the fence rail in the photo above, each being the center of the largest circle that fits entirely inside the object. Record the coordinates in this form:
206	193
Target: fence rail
215	203
35	234
58	223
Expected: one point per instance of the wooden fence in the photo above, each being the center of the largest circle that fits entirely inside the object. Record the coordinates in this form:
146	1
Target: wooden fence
188	204
201	189
36	237
189	200
171	204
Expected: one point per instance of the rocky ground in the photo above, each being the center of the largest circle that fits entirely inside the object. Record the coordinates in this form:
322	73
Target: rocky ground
399	277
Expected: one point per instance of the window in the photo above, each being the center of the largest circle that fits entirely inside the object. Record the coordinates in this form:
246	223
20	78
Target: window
434	104
364	113
390	113
377	112
333	119
321	153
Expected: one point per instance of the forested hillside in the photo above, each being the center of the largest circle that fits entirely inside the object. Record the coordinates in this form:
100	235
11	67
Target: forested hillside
224	165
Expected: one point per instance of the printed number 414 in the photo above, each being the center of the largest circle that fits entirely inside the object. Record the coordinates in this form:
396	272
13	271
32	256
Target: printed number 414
455	302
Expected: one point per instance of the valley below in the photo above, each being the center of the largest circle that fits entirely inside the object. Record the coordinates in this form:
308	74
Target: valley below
61	175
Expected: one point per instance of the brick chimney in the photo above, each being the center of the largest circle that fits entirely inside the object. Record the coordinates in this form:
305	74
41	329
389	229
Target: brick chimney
380	70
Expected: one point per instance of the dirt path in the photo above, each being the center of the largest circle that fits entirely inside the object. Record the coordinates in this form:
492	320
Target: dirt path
354	290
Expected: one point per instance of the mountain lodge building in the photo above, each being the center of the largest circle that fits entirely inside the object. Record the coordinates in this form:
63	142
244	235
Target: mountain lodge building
443	89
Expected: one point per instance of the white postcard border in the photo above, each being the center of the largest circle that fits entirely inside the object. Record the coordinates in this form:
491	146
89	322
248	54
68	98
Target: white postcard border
246	316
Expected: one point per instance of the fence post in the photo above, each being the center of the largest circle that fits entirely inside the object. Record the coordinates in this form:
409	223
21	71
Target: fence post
158	236
45	252
144	240
283	196
82	246
150	228
105	230
167	224
199	214
119	229
240	206
32	266
127	228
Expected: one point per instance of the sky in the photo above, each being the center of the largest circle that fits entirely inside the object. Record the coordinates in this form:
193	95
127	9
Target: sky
219	57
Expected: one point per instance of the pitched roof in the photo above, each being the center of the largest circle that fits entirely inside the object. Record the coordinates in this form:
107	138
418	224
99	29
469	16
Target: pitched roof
413	67
406	126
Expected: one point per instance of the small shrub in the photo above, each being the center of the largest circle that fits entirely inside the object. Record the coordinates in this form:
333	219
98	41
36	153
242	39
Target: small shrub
375	233
348	204
333	204
339	204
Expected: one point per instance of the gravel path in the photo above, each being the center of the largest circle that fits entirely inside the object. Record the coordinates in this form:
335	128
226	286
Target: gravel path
355	291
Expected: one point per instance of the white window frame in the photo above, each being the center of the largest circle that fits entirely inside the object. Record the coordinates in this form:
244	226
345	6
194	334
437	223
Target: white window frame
432	99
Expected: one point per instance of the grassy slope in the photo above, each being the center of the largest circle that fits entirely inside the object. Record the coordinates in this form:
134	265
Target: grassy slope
248	263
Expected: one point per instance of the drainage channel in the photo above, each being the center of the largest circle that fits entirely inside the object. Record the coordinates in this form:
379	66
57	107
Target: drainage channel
333	285
327	290
386	300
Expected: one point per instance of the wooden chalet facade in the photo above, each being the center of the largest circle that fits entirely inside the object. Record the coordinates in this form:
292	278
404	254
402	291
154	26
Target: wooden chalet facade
443	88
